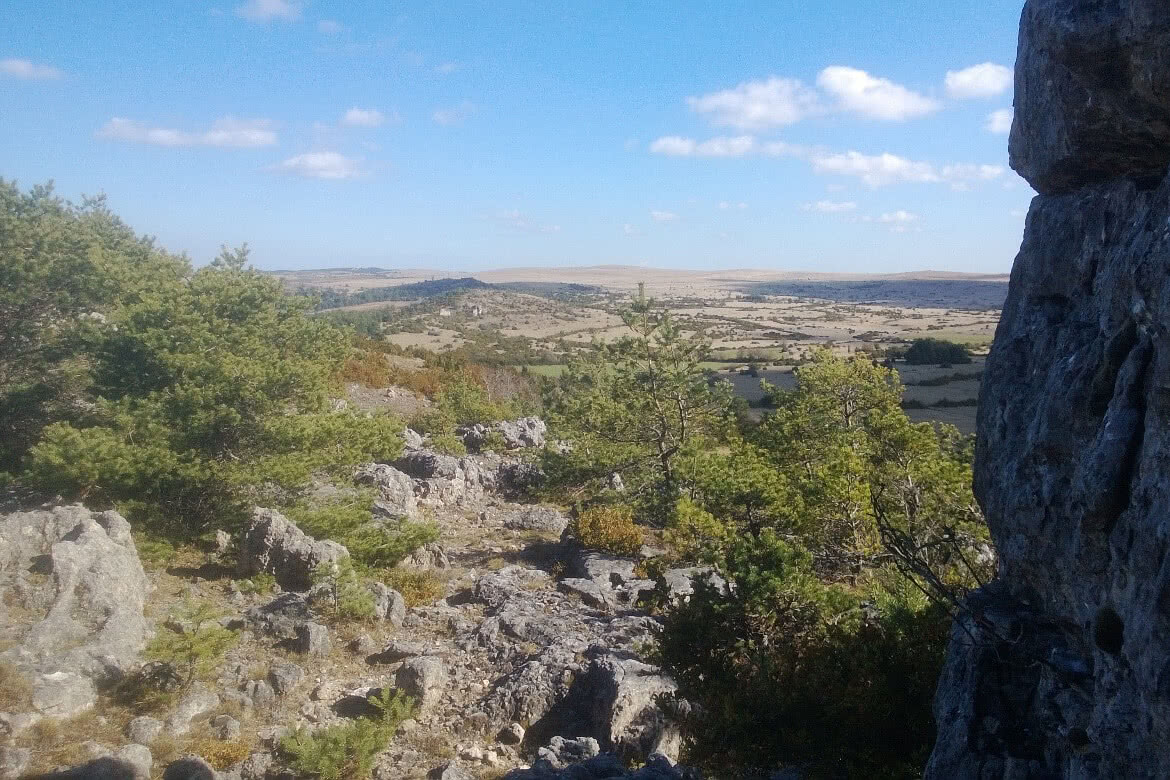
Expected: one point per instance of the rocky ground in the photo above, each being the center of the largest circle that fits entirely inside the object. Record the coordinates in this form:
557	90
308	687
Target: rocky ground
531	661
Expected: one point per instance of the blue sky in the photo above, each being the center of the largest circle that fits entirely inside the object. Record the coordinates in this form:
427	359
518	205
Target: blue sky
842	135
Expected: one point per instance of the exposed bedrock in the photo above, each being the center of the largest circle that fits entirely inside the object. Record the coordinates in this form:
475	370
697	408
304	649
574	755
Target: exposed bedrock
1063	667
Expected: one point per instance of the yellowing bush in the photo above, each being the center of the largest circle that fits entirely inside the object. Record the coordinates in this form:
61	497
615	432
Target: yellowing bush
608	529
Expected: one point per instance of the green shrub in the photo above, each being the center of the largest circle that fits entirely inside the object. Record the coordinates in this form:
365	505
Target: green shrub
609	529
347	598
379	545
347	750
257	583
494	442
193	642
930	351
448	444
787	670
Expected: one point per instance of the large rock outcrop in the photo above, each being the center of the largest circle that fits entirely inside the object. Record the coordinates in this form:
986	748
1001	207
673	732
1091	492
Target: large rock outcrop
1062	666
72	590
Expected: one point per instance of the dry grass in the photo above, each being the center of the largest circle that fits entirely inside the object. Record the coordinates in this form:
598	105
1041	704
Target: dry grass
418	588
15	690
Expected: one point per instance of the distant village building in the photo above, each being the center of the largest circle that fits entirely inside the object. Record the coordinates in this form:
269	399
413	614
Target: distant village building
476	311
445	312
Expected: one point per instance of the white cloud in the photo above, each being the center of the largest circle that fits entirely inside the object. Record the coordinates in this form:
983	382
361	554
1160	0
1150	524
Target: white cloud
630	230
663	216
267	10
447	67
882	169
26	69
363	117
901	216
1000	121
453	115
875	170
720	146
329	27
226	132
724	204
873	97
960	175
984	80
755	105
320	165
830	206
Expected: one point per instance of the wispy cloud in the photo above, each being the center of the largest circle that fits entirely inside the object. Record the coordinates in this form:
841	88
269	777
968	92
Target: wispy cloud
630	230
270	10
723	146
978	81
663	216
726	204
363	117
830	206
27	69
455	114
883	169
320	165
875	98
329	27
757	105
901	216
875	170
226	132
1000	121
447	67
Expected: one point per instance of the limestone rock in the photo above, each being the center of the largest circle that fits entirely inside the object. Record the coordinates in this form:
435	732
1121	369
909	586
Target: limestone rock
93	626
1091	97
13	761
195	702
395	489
284	677
422	678
537	518
389	605
1061	668
274	544
143	729
312	639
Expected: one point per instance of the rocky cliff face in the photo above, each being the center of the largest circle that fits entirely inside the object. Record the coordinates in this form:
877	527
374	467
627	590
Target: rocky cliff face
1063	667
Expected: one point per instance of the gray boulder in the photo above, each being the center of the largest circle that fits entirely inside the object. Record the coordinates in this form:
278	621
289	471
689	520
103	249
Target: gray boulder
312	639
92	629
13	761
431	555
423	679
273	544
284	676
195	702
623	703
143	729
389	604
537	518
395	489
424	464
449	771
561	752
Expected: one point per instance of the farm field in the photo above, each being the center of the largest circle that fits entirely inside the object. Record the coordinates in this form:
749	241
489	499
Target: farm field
541	317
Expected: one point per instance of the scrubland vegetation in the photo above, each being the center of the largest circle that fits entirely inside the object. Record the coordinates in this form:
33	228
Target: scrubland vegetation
185	396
